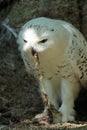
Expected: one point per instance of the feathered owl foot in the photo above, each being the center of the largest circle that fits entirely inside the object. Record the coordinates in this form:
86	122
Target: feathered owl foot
43	118
48	116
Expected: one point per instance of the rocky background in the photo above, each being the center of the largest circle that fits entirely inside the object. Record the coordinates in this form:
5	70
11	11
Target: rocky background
19	96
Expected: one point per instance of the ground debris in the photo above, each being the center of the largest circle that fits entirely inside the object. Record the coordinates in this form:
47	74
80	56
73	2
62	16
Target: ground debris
58	126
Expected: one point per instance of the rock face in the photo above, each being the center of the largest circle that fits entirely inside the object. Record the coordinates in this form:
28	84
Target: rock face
18	91
5	7
84	18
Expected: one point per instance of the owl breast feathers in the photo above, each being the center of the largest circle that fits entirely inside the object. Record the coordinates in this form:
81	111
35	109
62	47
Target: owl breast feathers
62	56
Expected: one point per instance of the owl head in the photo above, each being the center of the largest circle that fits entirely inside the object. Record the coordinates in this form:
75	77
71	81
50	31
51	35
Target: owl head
39	34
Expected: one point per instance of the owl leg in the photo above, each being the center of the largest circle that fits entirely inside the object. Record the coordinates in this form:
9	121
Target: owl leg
52	94
51	102
69	92
46	116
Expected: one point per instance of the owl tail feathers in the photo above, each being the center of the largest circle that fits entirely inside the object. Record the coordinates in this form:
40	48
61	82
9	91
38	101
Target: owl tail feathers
10	29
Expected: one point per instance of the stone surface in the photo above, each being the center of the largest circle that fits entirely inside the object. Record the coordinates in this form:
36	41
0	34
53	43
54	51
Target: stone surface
84	18
5	7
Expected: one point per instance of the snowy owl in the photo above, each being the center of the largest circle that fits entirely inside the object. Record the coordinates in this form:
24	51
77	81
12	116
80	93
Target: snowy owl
60	52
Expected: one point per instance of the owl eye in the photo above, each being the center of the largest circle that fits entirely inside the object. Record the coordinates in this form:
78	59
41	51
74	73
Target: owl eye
43	41
25	41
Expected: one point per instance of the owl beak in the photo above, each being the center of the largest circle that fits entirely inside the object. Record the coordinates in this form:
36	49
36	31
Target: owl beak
33	52
35	55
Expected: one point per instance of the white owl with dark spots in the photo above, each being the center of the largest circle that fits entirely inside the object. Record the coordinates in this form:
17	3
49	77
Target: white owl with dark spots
61	53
